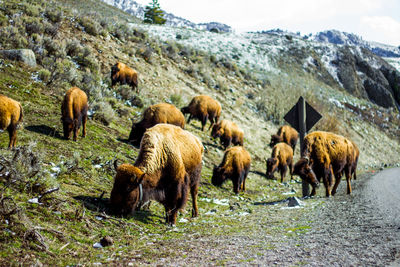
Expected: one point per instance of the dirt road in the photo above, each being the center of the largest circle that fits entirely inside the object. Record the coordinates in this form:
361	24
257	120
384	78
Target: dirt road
361	229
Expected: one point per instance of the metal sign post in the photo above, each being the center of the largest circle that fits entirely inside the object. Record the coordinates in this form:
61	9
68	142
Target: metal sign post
302	117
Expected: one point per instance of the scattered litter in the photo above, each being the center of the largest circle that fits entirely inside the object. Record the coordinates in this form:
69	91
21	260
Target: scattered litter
243	213
97	245
223	202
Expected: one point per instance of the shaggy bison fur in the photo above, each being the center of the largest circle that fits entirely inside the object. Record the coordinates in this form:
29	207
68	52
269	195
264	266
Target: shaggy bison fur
74	112
235	166
155	114
121	73
203	108
281	158
285	134
168	164
11	114
228	132
327	156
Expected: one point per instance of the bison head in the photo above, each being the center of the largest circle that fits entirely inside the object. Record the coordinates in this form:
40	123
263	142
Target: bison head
217	131
275	139
272	165
303	168
115	70
68	126
219	176
126	191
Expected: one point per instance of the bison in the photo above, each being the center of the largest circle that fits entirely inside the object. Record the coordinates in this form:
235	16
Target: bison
281	158
11	114
327	156
228	132
159	113
203	108
74	110
285	134
168	165
235	166
121	73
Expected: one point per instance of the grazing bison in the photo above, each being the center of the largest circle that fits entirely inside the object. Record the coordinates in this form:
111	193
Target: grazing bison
203	108
11	114
228	132
74	112
235	166
281	158
285	134
159	113
168	164
327	156
124	75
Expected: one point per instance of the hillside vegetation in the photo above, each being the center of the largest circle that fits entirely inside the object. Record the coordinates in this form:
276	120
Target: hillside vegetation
54	193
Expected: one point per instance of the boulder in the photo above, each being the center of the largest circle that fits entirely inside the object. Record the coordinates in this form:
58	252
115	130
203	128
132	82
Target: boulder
23	55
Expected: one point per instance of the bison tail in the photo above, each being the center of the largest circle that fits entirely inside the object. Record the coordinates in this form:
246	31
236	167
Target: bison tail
21	114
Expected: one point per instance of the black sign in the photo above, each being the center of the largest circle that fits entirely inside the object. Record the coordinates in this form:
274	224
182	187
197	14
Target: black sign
293	116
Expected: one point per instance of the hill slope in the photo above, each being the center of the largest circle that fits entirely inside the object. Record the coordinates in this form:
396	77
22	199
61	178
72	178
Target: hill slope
256	79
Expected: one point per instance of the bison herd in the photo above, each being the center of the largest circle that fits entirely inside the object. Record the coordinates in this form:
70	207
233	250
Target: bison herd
169	162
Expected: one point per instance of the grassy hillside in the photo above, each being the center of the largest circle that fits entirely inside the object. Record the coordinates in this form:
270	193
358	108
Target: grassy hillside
76	43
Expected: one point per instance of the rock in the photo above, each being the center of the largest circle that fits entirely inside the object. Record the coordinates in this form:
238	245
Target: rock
106	241
294	202
23	55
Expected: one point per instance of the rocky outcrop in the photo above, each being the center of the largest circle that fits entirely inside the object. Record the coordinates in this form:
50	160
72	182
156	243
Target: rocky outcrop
365	75
23	55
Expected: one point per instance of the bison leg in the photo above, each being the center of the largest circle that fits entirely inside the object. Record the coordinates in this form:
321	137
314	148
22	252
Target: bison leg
283	172
193	191
12	132
204	122
328	180
84	119
337	182
348	179
291	170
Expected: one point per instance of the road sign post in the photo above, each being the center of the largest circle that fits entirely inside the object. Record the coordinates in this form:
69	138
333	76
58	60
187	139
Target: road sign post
302	117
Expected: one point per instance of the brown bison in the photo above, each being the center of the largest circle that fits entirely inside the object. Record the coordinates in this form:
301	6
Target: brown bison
281	158
11	114
74	112
327	156
285	134
124	75
235	166
168	164
159	113
203	108
228	132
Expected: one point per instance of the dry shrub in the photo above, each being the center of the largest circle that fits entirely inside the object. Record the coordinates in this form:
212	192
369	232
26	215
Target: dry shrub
103	112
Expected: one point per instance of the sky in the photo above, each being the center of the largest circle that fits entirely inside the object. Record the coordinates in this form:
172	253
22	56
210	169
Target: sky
373	20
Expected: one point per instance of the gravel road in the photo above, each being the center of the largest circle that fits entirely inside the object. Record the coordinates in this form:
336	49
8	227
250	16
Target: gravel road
344	230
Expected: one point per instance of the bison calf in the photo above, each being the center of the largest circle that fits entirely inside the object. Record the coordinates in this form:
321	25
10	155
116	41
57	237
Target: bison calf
285	134
74	112
228	132
155	114
11	114
121	73
203	108
281	159
235	166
